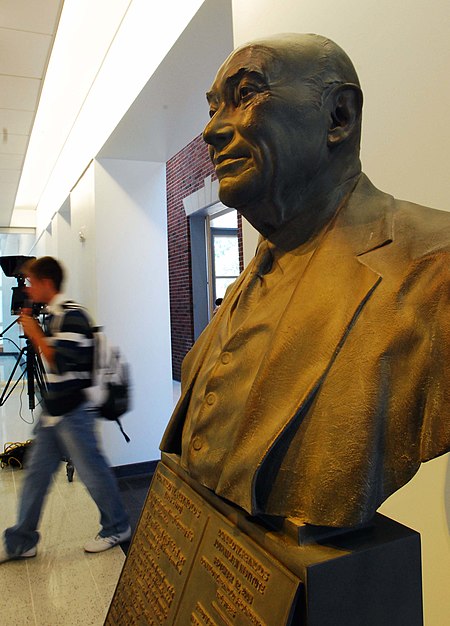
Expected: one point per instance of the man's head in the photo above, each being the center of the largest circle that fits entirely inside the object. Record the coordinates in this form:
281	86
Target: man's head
285	123
46	276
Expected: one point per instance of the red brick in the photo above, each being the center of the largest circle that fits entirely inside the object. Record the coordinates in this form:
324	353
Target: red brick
185	174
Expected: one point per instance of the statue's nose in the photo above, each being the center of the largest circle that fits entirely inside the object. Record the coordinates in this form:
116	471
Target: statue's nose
218	132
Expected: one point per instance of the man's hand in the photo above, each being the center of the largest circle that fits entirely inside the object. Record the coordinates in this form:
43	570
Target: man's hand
30	326
34	332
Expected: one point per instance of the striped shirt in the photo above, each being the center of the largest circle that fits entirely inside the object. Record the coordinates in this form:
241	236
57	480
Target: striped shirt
69	332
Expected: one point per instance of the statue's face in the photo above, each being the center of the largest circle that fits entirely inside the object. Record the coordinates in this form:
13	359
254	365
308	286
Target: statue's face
267	135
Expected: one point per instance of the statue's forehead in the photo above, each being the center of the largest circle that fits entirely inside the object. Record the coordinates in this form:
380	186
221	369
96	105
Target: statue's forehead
273	63
248	59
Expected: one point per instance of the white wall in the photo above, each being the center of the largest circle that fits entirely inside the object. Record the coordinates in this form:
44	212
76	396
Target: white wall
77	215
250	238
402	54
133	295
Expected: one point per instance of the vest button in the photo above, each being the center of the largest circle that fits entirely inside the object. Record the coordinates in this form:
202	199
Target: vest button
196	443
225	358
210	399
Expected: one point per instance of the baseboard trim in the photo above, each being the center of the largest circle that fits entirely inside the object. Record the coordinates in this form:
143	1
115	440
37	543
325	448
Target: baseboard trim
135	469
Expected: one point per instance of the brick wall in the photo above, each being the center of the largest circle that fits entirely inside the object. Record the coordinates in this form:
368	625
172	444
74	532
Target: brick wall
240	243
185	174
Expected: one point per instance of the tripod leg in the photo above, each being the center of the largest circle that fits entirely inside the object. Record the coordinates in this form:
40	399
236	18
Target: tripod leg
35	374
5	394
39	373
30	376
70	470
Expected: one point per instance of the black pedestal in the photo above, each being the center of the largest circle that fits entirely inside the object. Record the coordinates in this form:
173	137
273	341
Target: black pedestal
377	583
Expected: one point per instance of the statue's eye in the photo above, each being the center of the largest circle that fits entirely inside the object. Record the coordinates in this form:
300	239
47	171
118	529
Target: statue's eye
245	92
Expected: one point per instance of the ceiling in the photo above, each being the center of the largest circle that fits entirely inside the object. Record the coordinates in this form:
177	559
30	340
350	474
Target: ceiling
172	109
167	114
27	31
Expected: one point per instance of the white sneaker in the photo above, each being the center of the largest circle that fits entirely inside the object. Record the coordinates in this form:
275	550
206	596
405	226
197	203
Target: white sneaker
4	556
100	544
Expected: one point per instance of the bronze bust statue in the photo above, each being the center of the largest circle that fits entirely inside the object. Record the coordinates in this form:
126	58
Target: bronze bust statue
322	382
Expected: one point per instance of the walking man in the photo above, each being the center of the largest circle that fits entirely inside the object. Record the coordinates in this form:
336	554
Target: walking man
66	428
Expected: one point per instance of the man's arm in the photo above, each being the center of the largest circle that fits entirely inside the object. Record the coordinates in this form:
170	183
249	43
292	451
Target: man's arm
36	335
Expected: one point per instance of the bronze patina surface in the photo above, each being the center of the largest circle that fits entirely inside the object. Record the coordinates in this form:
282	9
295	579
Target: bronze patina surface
322	382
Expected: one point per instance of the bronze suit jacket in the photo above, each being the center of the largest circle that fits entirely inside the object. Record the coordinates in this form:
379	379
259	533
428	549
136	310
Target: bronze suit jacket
354	391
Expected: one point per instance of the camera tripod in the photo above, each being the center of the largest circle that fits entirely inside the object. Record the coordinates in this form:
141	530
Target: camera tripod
35	376
34	370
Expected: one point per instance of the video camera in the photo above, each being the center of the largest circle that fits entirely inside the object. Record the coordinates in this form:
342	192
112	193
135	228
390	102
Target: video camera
11	266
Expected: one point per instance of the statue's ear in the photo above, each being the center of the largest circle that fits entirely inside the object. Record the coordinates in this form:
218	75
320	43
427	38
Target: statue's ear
345	106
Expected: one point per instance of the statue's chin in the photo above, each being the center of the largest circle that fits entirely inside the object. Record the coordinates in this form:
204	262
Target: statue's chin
242	190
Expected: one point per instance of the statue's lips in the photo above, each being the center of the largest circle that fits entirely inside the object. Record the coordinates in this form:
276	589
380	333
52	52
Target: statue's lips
231	165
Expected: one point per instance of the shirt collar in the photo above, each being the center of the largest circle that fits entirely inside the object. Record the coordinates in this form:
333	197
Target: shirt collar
54	307
282	258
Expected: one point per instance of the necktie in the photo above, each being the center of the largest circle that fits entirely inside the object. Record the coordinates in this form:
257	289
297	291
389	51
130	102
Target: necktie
263	259
251	290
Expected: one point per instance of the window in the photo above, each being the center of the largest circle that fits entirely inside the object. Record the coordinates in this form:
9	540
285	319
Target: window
214	259
224	253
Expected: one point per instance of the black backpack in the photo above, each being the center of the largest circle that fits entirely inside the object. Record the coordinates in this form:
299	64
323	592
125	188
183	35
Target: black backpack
109	392
110	389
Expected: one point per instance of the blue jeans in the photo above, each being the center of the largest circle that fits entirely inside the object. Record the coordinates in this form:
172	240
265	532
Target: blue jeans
72	437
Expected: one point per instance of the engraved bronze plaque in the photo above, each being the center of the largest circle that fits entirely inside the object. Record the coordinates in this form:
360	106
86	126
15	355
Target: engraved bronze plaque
161	555
189	565
239	582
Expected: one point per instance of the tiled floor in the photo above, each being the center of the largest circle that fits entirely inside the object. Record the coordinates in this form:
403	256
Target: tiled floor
63	585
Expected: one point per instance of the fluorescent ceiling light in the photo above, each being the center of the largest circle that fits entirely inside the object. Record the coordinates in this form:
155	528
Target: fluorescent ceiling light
104	53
